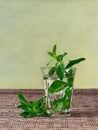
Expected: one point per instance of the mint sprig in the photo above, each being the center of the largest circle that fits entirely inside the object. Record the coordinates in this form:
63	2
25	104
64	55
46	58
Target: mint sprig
60	67
32	108
62	71
54	55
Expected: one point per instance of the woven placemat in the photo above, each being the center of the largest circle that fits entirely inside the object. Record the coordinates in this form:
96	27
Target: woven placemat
84	112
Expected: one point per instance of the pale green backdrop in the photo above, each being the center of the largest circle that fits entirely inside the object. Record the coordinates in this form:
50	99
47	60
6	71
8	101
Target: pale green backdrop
29	28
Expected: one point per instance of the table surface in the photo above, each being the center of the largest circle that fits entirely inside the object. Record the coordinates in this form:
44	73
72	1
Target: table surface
84	112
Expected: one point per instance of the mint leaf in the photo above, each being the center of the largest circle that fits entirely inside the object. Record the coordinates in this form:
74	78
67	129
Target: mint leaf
51	71
64	54
70	77
60	70
60	57
54	50
63	103
24	114
58	105
22	98
68	93
57	86
73	62
24	107
50	54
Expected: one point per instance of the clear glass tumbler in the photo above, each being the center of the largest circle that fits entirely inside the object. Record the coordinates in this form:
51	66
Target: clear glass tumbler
59	103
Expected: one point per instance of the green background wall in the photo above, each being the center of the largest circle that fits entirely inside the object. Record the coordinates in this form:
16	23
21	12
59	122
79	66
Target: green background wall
29	28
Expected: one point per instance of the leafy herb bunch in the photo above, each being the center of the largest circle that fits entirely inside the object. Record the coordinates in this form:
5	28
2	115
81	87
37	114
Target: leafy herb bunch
64	82
59	66
39	107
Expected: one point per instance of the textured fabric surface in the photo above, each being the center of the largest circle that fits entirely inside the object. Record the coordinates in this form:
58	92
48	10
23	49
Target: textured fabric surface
84	112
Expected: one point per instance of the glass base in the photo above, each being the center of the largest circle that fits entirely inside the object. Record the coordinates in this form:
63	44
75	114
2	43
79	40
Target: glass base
61	114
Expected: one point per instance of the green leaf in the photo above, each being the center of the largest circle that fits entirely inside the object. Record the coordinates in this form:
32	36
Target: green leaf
45	77
70	82
24	114
73	62
22	98
58	105
33	113
36	110
24	107
57	86
64	54
60	70
50	54
51	71
70	77
68	93
60	57
63	103
54	50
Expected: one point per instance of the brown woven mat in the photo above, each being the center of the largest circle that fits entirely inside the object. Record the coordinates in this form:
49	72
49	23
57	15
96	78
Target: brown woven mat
84	112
